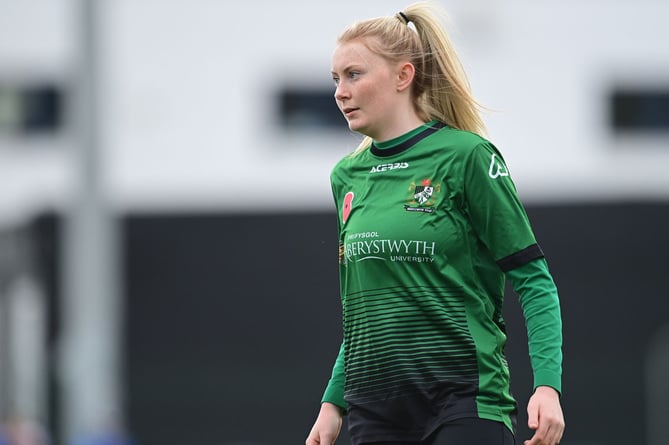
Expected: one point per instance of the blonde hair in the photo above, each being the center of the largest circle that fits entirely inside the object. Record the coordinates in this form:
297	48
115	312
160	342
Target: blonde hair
440	89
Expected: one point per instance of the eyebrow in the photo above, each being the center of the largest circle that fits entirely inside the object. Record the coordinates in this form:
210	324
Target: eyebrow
347	68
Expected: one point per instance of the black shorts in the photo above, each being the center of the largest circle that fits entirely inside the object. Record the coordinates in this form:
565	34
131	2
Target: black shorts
466	431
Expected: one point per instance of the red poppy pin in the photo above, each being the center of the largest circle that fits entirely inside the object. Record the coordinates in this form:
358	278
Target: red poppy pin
346	207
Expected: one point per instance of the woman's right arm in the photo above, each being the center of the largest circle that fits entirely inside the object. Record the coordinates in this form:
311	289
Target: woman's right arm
327	426
333	407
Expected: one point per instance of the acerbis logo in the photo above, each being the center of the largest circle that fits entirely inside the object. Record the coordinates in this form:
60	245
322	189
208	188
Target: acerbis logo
387	167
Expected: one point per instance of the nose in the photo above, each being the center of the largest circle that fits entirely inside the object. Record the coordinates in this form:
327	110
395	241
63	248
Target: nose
341	93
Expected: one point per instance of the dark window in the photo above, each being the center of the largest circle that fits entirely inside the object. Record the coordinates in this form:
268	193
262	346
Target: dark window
308	109
28	109
43	109
637	110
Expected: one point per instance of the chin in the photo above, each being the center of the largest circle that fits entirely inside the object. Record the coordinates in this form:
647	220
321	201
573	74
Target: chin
357	127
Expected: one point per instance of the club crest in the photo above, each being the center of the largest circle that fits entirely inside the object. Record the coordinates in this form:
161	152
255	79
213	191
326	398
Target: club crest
422	196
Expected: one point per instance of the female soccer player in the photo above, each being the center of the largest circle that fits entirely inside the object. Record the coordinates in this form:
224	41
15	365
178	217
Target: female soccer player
430	227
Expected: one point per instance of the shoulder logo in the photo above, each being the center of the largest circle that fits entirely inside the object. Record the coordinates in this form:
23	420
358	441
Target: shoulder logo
422	196
497	168
346	206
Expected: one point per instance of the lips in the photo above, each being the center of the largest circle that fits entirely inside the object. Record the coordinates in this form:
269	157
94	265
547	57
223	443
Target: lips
349	110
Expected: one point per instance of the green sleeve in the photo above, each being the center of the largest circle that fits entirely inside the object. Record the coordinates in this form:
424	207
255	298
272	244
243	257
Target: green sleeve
539	301
334	392
492	203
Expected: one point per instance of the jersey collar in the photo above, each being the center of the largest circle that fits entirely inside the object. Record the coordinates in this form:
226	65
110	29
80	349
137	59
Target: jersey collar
398	145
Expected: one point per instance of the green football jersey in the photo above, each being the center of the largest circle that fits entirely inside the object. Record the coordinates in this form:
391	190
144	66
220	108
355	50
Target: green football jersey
428	224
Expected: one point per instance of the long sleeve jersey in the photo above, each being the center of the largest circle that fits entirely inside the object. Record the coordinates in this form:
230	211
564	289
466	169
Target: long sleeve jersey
430	226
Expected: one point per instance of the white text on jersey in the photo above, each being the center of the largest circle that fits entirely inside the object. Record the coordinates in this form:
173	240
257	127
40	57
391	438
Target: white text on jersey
387	167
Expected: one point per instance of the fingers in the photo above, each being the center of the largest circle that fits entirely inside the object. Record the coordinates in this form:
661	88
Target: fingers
544	416
327	439
548	431
327	426
322	439
550	435
532	416
312	438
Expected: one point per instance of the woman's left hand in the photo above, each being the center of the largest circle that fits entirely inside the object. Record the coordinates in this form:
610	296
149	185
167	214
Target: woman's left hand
545	417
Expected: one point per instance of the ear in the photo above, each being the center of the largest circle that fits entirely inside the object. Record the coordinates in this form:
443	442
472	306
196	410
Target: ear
405	75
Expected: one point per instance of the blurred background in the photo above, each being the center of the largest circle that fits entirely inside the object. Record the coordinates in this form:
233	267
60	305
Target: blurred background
167	234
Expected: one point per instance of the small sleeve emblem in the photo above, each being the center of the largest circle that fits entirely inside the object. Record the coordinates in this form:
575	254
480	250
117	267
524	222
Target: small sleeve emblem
497	168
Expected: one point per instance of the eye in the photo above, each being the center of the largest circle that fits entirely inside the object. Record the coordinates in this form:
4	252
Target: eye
335	80
353	74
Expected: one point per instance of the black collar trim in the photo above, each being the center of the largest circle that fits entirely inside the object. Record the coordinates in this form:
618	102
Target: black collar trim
403	146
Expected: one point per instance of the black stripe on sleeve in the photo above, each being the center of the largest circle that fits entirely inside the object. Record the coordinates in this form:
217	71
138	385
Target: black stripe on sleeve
520	258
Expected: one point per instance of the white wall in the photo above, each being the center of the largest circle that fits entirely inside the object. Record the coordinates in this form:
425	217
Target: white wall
186	95
36	44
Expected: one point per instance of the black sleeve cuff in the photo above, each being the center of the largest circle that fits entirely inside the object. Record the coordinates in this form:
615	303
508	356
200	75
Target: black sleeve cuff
520	258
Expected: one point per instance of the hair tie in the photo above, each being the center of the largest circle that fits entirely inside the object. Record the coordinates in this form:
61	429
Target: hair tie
404	17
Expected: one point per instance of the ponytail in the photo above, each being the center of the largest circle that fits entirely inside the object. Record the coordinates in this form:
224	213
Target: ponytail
441	90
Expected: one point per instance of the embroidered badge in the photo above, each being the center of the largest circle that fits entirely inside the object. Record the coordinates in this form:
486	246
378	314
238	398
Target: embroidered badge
422	196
